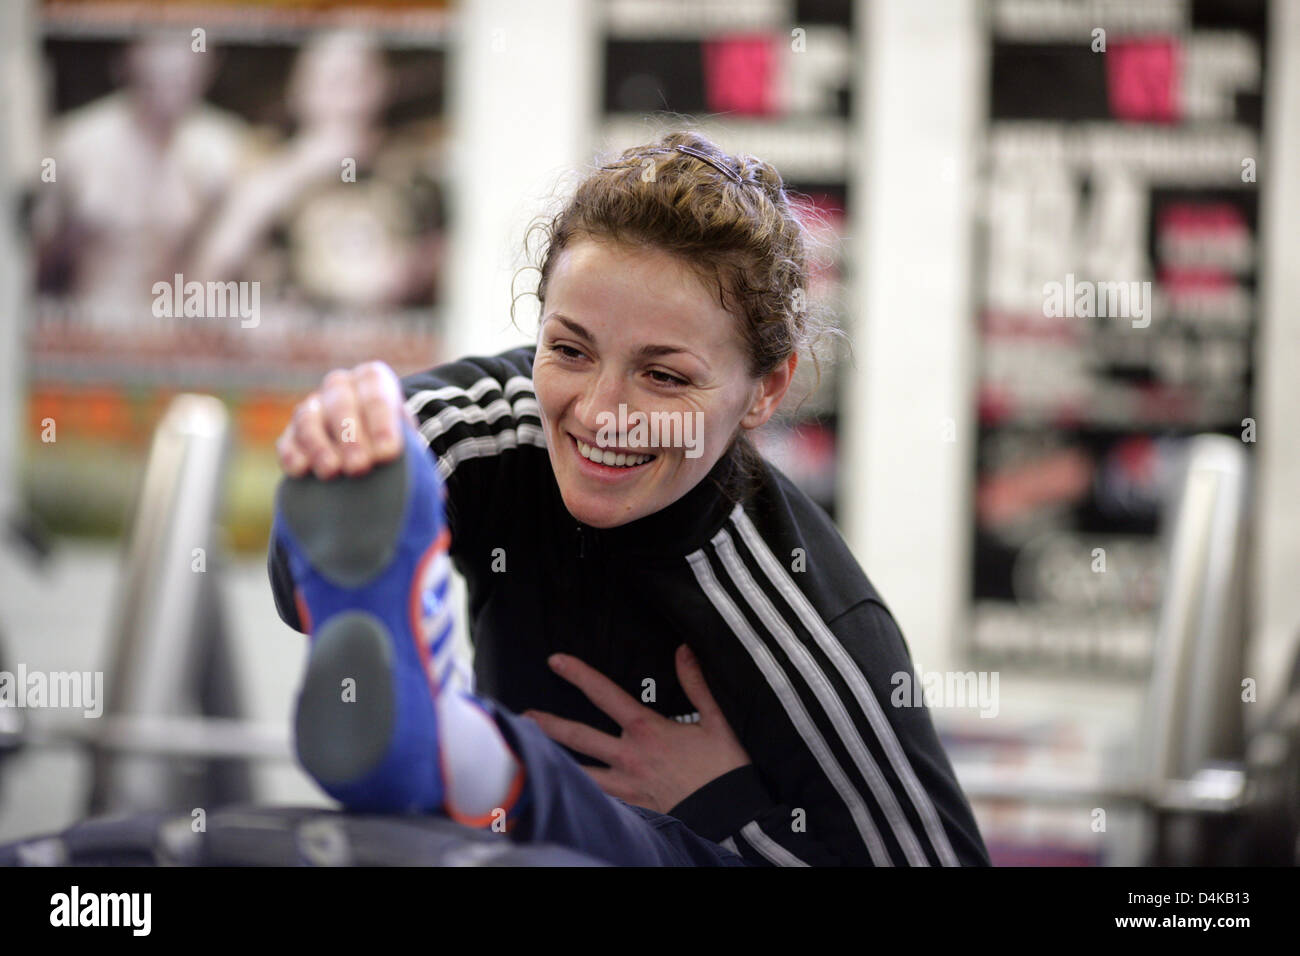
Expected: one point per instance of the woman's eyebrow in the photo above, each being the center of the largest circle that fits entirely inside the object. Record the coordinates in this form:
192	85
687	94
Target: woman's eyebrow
655	351
572	326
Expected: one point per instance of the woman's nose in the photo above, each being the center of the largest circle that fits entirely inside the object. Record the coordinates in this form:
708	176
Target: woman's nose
602	398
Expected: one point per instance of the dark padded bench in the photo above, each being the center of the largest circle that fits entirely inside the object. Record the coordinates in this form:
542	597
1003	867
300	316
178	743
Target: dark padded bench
247	835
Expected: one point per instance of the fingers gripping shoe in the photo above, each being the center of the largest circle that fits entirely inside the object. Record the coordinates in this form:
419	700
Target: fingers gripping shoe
368	556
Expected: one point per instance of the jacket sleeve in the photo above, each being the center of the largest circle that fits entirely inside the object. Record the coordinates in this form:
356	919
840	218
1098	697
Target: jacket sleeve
474	414
865	786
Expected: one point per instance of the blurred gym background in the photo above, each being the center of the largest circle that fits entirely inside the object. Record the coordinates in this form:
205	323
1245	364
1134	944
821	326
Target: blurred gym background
1098	513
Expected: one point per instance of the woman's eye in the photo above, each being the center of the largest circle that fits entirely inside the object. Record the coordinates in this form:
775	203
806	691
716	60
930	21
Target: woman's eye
663	378
567	351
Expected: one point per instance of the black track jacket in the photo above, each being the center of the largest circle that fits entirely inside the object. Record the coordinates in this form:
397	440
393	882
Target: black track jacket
795	644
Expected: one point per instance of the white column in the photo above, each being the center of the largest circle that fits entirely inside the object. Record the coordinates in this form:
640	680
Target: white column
19	166
524	91
919	94
523	99
1275	600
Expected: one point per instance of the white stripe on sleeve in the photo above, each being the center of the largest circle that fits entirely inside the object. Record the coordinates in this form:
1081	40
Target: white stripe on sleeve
793	706
826	696
857	683
768	847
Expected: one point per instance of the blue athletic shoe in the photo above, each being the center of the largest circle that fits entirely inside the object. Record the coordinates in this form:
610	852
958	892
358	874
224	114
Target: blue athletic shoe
368	555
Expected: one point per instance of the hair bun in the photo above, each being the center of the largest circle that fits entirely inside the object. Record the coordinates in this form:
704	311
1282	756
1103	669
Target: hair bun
762	173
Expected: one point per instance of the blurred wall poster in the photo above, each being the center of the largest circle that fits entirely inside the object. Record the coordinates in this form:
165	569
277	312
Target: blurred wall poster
1116	308
232	210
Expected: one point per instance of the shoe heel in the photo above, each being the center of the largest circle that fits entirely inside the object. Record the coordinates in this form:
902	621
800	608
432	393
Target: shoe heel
344	730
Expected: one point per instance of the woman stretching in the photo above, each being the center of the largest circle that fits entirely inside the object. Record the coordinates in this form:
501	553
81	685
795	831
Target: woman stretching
677	659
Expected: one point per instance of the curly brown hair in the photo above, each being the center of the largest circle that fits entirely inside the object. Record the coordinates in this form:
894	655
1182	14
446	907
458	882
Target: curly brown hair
731	219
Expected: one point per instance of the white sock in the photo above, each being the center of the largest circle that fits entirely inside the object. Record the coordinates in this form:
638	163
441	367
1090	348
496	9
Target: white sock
482	777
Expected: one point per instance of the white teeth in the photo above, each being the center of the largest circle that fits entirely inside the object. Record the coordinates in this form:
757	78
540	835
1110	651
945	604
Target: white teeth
615	459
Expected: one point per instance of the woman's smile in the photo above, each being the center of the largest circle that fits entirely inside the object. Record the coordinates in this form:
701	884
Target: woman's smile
614	465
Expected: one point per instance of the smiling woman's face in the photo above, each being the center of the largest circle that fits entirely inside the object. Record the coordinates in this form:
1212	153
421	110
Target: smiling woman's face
637	327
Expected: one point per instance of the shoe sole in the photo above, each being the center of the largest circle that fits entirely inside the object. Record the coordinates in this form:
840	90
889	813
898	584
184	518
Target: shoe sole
348	527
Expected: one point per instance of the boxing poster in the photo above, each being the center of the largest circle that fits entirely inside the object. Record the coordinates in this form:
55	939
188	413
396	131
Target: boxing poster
233	201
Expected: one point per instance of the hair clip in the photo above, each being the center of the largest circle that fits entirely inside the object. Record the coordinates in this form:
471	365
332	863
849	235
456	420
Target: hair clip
691	151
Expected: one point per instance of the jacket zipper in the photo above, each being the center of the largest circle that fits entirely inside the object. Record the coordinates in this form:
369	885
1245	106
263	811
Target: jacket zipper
592	592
